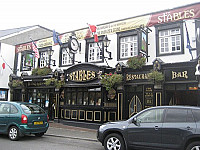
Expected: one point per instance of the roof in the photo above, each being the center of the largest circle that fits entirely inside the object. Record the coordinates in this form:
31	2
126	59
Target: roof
22	35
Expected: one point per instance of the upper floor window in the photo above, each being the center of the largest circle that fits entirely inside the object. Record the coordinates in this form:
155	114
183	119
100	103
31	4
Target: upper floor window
169	39
128	46
95	52
44	59
67	58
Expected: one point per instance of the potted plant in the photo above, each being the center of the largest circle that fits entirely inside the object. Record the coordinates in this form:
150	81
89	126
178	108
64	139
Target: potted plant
136	62
109	81
156	77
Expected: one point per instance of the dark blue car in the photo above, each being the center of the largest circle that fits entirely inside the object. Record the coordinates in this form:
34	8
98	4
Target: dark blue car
18	119
164	127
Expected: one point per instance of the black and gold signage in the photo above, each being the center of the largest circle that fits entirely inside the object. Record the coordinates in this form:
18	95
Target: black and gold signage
82	75
148	95
180	74
135	77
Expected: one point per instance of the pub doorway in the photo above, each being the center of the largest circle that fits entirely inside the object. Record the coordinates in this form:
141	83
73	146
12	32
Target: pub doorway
134	95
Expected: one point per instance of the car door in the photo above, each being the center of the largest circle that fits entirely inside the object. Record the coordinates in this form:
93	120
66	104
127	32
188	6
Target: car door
4	115
146	132
178	124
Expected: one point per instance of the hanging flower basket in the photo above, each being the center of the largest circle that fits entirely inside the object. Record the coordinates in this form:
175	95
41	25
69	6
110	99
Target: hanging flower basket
111	93
16	83
54	82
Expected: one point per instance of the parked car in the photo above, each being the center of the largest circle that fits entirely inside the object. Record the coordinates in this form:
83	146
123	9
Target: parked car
163	127
19	118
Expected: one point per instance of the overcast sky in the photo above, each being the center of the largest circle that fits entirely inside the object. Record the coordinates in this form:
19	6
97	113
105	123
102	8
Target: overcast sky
68	15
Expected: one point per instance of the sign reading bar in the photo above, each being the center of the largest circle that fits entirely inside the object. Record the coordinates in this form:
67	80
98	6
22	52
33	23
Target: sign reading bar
82	75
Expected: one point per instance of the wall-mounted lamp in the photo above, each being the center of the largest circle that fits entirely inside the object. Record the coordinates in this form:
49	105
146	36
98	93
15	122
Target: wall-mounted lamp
106	43
51	61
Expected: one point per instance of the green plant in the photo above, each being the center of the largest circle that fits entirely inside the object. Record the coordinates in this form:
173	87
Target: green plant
111	80
16	83
136	62
41	71
55	82
156	76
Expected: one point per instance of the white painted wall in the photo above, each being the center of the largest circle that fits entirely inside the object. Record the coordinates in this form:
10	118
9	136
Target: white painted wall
7	54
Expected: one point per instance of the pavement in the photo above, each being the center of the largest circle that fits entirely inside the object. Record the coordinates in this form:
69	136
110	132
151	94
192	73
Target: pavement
72	132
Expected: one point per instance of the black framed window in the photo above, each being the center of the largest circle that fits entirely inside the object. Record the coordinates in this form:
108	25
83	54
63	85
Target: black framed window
128	44
66	57
94	50
83	96
169	39
44	59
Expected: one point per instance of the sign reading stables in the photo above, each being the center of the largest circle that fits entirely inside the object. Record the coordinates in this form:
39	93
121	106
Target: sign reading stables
82	75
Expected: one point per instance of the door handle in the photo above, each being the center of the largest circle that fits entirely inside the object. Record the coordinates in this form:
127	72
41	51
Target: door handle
188	128
156	127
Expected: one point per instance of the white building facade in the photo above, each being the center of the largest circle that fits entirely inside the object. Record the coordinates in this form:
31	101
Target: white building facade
160	37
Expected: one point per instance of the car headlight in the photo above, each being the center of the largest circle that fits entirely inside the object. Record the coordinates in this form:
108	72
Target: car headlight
101	127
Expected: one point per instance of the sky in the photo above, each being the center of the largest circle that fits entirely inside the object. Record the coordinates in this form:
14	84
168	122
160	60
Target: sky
69	15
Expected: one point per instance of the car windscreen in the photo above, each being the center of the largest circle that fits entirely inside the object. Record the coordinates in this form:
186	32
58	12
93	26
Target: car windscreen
32	109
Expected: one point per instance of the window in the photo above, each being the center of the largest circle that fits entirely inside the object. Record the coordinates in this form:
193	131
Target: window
67	57
176	115
4	108
83	96
169	39
95	52
128	46
151	116
44	59
14	110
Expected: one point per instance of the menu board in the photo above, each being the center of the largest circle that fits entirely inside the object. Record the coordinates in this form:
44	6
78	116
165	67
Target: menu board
148	96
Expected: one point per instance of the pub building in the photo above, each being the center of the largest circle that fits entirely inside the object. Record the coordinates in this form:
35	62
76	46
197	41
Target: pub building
75	91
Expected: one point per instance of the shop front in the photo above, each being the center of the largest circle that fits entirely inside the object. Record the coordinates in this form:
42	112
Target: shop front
83	98
181	84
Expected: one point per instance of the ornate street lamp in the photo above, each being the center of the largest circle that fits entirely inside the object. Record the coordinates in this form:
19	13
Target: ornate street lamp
106	43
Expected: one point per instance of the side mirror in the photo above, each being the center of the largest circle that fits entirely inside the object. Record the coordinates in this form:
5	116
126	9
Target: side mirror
135	121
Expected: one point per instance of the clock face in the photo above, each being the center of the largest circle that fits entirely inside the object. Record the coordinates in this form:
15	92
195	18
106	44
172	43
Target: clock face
73	45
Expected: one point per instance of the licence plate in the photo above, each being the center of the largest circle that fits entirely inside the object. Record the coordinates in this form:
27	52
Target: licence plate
38	123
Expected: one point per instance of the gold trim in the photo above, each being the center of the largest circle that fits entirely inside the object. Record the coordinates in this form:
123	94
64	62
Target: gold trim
80	113
136	99
95	115
66	112
87	116
72	114
105	116
120	95
61	113
157	98
109	115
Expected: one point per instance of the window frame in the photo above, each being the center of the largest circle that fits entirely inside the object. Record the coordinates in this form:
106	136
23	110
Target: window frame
123	35
61	57
169	26
42	50
88	42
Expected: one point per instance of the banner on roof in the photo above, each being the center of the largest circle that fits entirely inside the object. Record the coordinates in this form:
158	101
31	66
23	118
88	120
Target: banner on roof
190	12
183	13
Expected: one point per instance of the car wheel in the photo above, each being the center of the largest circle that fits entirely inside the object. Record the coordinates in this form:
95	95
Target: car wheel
193	146
13	133
114	142
39	134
